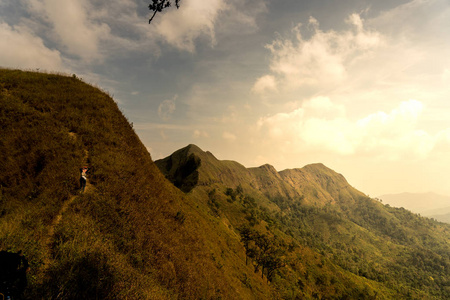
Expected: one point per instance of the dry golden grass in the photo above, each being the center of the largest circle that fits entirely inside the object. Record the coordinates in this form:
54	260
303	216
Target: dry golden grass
123	238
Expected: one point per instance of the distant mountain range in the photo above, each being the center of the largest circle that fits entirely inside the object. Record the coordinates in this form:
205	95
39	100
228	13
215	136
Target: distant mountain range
427	204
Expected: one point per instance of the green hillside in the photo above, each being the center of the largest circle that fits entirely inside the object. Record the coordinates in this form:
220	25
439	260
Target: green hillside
189	226
132	234
333	241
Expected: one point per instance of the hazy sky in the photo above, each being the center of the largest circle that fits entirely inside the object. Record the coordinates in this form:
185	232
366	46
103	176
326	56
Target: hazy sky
361	86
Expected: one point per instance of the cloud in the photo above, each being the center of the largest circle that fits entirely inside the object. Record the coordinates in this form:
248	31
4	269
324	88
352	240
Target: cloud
86	33
321	59
82	33
240	16
198	20
166	109
20	48
182	27
395	134
265	83
72	26
320	125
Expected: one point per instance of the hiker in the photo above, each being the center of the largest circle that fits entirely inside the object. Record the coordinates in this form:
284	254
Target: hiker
83	179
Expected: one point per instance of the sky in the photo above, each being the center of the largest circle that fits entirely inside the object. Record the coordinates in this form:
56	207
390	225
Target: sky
361	86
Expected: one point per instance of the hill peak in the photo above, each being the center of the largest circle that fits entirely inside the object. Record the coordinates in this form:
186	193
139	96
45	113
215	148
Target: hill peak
192	148
317	166
269	168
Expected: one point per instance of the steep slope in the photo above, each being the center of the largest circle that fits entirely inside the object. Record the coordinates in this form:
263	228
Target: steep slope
268	181
132	235
342	244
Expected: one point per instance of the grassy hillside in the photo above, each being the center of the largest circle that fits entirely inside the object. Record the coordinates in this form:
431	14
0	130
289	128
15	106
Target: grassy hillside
330	240
132	234
228	232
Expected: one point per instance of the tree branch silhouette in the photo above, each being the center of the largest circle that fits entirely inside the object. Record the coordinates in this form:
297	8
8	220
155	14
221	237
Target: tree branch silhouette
159	5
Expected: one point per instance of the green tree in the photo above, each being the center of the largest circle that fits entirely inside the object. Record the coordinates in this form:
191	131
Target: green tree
266	252
246	238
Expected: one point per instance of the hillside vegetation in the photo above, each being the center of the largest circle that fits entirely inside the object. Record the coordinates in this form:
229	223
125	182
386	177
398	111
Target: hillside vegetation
189	226
312	235
132	234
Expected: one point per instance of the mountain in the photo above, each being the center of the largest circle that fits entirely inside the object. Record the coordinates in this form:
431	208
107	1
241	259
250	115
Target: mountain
189	226
342	243
132	234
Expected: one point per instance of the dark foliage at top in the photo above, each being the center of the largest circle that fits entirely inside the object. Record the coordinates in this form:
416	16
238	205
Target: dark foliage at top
158	6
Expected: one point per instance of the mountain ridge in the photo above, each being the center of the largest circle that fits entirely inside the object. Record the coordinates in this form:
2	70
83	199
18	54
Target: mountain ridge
289	183
317	208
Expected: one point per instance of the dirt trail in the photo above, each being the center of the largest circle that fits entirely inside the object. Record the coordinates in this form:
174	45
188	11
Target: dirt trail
58	218
56	221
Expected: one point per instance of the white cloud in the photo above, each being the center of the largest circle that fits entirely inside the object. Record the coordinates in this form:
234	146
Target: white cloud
322	107
264	83
182	27
322	126
20	48
201	20
322	59
88	32
395	134
82	33
72	26
240	16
